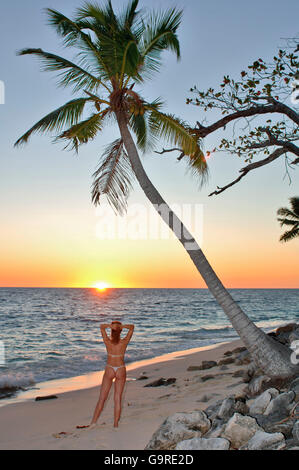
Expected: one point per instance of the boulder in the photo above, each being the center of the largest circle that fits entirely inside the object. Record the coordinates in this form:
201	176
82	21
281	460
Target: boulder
294	336
256	385
177	428
241	407
271	425
198	443
259	405
280	406
212	410
265	441
294	386
239	429
295	432
226	409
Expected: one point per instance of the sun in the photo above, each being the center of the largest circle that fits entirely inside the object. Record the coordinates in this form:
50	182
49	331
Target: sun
101	286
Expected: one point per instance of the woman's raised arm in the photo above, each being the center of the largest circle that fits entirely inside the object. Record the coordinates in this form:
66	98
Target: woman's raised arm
130	332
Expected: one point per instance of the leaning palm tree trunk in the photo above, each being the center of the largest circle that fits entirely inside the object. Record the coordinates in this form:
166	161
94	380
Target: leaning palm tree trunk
272	357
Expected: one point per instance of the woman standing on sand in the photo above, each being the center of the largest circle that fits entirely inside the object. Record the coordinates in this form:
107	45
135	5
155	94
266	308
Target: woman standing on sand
115	368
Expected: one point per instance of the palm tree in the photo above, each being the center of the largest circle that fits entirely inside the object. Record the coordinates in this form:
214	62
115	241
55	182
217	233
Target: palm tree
290	217
117	53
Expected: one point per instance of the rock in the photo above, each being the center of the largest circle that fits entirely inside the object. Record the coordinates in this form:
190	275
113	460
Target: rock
259	405
208	364
216	429
177	428
271	425
224	367
239	350
227	360
207	377
286	328
280	406
294	386
142	377
228	353
212	410
294	448
256	385
283	333
239	429
200	443
294	336
295	432
264	441
161	381
226	409
46	397
204	365
241	407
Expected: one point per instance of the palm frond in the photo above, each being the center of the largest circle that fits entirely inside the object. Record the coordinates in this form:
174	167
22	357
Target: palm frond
159	35
287	222
113	177
285	212
71	74
139	127
67	115
294	201
83	132
174	130
290	235
178	133
73	34
128	18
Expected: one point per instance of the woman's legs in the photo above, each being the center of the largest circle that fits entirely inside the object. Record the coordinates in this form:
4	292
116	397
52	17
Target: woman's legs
105	389
119	384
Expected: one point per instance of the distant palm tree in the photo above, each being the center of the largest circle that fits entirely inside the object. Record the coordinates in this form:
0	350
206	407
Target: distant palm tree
117	53
290	217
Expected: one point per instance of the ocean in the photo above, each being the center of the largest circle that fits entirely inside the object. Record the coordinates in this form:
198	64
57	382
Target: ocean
55	333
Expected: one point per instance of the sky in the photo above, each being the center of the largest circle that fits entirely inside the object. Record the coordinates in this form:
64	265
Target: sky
51	234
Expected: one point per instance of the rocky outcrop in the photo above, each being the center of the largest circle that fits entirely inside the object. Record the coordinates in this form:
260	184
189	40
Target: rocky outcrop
198	443
179	427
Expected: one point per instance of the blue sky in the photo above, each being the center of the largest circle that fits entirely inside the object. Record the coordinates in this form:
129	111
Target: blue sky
39	180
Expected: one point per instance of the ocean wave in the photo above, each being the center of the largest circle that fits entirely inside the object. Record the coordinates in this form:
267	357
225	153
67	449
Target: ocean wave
11	383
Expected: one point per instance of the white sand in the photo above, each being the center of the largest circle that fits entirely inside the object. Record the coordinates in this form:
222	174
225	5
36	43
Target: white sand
34	425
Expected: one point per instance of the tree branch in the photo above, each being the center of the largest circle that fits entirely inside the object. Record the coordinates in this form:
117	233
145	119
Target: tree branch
276	154
275	107
172	150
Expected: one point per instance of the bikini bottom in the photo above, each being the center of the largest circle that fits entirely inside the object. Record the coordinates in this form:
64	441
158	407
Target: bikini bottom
114	367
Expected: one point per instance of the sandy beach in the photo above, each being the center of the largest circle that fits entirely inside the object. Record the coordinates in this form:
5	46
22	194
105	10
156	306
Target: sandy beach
36	424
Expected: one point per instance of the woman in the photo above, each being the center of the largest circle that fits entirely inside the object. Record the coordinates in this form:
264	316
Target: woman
115	368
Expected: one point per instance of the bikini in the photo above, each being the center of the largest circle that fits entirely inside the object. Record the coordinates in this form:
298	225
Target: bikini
115	367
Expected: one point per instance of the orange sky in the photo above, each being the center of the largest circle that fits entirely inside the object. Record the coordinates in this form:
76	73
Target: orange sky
59	252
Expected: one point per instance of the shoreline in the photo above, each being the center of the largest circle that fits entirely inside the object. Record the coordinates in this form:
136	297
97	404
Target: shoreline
93	379
51	424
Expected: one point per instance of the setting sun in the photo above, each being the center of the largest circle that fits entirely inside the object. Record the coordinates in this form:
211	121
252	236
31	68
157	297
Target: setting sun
101	286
